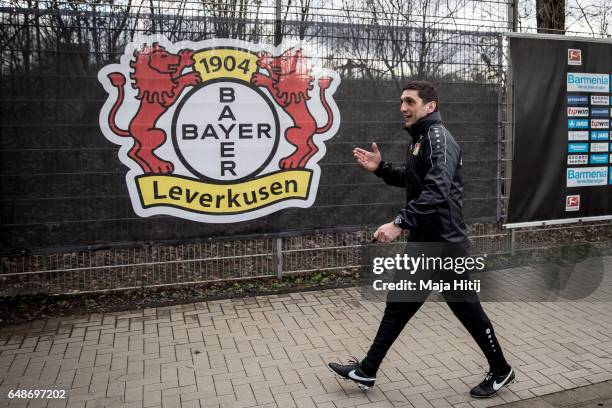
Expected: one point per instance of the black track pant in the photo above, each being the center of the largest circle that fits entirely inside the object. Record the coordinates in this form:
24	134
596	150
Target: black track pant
464	304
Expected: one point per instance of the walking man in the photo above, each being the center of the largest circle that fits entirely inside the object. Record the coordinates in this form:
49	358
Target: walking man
433	214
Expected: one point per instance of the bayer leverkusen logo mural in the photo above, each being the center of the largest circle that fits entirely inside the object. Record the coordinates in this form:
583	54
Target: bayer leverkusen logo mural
219	130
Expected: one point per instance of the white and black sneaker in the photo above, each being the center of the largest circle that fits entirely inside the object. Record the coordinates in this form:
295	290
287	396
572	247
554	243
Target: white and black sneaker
352	371
491	384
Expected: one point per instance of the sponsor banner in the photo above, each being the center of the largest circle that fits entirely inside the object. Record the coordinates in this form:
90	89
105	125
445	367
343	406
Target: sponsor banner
573	111
600	100
577	100
547	88
578	148
219	131
578	124
578	159
578	135
598	159
600	123
586	176
574	57
572	203
598	112
599	135
583	82
599	147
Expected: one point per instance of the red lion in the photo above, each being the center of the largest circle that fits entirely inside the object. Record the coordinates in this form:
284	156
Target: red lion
157	77
289	81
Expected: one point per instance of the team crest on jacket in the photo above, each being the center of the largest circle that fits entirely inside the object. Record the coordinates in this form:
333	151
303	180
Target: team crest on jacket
218	130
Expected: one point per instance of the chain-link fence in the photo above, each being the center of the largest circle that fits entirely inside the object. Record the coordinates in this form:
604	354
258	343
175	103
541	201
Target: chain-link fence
156	265
67	221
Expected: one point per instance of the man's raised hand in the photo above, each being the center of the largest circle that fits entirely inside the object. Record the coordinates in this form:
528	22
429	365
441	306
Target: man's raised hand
368	160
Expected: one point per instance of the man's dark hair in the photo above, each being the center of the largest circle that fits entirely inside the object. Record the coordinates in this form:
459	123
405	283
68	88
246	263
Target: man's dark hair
426	91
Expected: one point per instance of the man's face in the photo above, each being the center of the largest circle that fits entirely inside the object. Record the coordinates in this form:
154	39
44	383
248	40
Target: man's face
413	108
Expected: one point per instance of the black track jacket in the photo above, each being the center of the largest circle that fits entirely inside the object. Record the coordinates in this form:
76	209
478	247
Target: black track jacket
431	177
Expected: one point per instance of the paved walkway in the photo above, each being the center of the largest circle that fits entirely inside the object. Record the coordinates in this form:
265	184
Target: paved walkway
589	396
271	351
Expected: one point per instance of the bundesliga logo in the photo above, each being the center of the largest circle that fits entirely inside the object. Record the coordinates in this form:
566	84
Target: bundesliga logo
574	57
572	203
218	130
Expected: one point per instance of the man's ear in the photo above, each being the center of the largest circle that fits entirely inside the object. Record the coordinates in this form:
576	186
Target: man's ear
431	106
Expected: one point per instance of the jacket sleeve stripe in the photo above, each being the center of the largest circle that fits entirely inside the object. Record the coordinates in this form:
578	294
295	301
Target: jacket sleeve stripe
430	147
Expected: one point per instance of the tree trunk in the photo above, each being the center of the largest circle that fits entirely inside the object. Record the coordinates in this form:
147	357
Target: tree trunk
550	16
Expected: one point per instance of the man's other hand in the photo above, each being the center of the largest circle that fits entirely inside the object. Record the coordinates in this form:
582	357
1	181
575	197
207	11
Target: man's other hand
368	160
387	232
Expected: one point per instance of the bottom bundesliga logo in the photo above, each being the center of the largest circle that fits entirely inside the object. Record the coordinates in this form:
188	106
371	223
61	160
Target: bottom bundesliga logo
219	130
572	203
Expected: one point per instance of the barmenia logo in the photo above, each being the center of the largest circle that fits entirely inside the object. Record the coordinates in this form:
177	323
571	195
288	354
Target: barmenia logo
218	130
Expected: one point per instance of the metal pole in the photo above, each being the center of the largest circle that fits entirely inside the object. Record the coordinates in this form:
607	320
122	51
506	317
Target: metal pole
512	241
278	27
513	15
500	120
509	127
279	258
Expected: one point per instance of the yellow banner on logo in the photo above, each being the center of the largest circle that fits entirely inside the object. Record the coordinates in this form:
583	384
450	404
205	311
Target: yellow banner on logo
225	63
208	198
